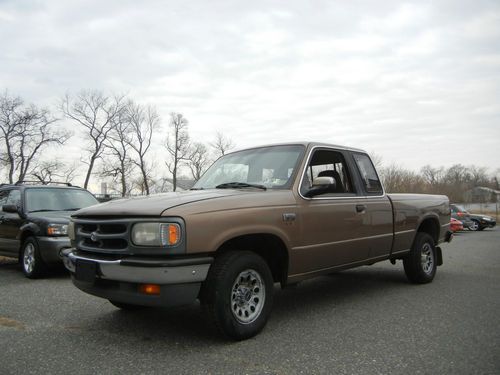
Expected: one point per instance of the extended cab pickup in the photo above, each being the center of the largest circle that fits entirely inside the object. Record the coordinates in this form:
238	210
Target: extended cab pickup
273	214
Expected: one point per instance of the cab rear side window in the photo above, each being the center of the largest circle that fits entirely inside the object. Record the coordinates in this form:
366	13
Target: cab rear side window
369	178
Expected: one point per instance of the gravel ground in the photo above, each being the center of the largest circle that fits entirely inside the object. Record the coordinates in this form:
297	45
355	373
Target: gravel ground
364	321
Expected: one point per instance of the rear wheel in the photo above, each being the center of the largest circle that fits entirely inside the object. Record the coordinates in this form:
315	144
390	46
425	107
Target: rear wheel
238	294
421	263
31	260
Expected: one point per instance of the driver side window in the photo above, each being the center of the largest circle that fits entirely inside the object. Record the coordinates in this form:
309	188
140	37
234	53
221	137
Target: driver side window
328	163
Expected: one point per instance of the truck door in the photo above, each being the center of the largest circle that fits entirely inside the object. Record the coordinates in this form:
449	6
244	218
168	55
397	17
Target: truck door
378	208
331	223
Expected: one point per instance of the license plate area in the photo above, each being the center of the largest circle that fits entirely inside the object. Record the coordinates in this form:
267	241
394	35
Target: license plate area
86	270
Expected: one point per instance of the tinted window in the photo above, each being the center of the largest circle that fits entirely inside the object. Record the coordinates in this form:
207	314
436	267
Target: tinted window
14	198
39	199
368	174
3	197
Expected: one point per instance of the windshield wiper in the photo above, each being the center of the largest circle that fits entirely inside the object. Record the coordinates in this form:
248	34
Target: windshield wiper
239	185
72	209
197	188
43	210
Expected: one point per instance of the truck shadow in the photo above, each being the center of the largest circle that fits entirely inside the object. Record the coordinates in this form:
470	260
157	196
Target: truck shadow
179	328
13	268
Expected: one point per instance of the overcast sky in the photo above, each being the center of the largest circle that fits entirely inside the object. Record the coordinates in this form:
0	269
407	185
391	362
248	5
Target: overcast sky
416	82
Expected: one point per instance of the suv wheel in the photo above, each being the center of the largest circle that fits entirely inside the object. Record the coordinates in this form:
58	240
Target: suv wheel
238	294
420	264
31	260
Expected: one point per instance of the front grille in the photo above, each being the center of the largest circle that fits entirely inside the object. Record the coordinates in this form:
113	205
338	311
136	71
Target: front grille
105	236
111	237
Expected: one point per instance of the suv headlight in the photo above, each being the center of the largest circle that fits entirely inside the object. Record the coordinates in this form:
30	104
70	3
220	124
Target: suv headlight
57	229
156	234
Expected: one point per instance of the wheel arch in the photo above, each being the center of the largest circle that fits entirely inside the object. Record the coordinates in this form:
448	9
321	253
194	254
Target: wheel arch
431	226
22	237
269	246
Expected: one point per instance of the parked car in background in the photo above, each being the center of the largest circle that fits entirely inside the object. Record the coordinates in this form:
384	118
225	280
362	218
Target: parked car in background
456	225
34	222
480	222
460	213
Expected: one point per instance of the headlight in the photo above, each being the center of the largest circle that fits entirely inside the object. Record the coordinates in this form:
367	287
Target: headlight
71	230
156	234
57	229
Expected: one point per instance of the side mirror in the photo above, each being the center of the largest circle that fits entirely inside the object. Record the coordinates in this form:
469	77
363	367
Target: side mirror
10	208
321	185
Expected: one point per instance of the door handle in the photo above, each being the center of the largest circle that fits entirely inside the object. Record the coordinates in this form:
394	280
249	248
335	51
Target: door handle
360	208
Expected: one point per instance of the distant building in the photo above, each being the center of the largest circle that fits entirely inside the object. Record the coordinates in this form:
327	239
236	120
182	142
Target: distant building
482	194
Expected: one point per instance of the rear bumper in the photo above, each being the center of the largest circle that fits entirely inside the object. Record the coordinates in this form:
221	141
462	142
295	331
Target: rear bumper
120	280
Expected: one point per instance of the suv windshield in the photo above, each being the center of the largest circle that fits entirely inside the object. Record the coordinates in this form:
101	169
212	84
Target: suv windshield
58	199
269	167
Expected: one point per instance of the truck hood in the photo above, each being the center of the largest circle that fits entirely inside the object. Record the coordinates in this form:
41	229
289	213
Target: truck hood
153	205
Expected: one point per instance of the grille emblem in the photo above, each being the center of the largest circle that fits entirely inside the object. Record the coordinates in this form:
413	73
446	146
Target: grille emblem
93	236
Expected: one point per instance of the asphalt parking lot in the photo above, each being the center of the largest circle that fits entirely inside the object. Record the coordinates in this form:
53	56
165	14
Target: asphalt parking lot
364	321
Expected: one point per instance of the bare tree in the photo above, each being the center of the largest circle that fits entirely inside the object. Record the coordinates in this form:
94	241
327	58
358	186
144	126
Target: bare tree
432	175
117	146
376	159
198	159
95	112
399	180
143	122
478	175
25	131
177	144
54	170
222	144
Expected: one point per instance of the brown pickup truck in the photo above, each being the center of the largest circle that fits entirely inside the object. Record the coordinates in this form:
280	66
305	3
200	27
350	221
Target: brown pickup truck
265	215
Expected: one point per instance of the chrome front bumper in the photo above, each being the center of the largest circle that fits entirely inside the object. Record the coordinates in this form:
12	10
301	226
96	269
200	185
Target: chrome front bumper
143	270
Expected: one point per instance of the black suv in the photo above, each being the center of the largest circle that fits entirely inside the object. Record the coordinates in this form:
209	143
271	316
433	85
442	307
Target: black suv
34	222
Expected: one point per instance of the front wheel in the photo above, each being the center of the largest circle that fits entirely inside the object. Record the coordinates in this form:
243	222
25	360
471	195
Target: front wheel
31	260
474	226
420	264
238	294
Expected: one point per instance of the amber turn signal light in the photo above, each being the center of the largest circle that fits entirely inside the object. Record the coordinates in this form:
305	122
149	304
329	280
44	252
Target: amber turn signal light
150	289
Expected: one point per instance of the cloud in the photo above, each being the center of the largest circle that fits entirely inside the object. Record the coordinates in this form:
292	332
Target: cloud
410	81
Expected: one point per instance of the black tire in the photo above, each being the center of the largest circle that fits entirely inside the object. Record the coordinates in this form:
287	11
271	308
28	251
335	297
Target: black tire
126	306
238	294
31	261
421	263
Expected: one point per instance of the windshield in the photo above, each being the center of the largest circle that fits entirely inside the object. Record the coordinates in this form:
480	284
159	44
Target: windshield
58	199
269	167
